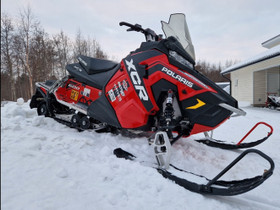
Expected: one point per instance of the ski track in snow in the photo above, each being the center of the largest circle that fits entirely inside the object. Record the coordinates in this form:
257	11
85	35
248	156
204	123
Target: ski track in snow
46	165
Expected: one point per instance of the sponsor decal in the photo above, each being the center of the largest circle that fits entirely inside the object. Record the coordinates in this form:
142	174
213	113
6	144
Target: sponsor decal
112	95
118	91
83	100
73	86
125	85
121	89
86	92
137	83
74	95
177	77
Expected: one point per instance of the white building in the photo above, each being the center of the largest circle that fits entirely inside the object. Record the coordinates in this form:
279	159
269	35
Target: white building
255	78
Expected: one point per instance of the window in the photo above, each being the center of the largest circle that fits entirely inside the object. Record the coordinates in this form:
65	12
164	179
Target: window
236	82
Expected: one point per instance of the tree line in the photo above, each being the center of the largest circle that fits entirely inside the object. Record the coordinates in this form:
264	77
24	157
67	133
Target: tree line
213	71
29	54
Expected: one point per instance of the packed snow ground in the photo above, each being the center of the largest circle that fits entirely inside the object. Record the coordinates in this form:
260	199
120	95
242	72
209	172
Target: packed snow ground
48	166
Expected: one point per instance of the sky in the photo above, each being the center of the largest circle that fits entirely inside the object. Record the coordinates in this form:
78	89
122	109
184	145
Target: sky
220	29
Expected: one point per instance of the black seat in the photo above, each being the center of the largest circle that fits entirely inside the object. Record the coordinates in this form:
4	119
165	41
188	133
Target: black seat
95	65
95	80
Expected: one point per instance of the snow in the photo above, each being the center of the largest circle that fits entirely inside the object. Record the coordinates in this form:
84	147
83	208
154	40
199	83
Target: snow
275	51
46	165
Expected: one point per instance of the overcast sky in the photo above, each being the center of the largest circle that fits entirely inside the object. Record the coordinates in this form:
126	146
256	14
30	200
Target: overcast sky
220	29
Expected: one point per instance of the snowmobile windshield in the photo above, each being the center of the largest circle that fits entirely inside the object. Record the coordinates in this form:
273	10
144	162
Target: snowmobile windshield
178	28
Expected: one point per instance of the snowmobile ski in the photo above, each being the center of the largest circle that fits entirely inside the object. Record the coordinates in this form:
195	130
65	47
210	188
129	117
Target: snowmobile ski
213	186
240	145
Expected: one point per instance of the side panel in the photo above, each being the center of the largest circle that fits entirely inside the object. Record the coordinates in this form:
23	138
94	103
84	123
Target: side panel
199	102
77	94
125	97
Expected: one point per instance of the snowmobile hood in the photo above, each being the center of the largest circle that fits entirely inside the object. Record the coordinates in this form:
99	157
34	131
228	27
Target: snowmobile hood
178	28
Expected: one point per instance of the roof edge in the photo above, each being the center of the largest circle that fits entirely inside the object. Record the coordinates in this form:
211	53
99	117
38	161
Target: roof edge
273	39
251	63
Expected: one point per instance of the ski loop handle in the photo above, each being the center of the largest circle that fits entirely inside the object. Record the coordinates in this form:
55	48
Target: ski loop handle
259	123
240	145
224	188
214	186
265	175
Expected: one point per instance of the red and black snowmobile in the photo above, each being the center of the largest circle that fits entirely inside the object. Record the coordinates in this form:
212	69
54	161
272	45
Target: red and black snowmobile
154	91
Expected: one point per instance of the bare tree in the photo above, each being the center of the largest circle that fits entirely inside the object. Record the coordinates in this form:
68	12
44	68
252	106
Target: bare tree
99	53
62	50
41	55
26	27
80	46
89	47
29	55
7	30
211	71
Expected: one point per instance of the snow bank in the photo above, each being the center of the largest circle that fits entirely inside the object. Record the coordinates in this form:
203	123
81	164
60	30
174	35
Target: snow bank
46	165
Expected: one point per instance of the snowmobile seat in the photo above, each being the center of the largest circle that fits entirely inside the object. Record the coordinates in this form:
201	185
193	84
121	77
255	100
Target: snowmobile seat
95	65
95	80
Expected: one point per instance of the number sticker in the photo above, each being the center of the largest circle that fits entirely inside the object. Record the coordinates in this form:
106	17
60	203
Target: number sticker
74	95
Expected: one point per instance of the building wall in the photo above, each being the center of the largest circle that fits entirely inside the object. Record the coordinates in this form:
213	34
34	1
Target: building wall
259	87
242	85
243	79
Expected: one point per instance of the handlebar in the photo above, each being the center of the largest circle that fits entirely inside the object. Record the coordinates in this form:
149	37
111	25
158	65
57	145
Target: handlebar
149	34
135	27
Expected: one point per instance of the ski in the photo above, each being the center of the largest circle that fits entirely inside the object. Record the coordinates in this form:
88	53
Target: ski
213	186
240	145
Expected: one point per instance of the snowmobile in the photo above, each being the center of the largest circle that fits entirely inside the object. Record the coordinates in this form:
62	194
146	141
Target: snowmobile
273	102
155	91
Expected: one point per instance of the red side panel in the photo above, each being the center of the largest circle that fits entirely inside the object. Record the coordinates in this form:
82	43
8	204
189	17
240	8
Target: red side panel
129	109
125	100
183	80
75	92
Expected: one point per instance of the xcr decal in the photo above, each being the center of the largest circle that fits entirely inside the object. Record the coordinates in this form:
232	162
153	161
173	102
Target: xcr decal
136	80
136	73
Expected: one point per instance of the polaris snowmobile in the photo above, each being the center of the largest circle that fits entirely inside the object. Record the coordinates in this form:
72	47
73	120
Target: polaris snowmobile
154	91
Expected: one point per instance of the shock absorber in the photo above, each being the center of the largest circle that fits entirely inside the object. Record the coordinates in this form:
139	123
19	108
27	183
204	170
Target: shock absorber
169	110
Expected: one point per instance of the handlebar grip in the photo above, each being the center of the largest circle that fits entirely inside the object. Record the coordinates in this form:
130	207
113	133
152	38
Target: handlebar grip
125	24
135	27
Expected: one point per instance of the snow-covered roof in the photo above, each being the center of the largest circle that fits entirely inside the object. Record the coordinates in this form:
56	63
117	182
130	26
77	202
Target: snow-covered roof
272	42
270	53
